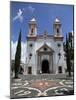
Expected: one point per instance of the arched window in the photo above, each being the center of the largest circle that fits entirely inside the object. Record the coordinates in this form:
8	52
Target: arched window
57	30
31	45
32	30
30	55
58	44
59	54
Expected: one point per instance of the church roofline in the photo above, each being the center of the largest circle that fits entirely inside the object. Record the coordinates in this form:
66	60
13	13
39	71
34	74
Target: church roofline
34	37
42	37
39	36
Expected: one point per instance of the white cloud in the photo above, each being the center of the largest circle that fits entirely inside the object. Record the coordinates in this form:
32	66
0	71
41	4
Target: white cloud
23	50
19	16
31	9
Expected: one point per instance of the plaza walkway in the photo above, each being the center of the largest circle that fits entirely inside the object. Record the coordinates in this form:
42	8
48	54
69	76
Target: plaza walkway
41	85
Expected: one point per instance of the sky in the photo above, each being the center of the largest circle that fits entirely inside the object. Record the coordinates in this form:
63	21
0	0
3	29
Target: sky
45	14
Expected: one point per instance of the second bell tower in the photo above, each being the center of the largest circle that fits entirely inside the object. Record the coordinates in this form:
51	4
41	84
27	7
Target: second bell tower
32	27
57	27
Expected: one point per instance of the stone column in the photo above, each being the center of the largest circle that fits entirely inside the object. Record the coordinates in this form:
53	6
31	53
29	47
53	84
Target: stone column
40	64
37	63
24	69
52	62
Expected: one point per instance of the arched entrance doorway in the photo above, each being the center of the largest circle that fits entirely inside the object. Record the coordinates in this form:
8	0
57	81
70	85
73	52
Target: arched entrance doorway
45	66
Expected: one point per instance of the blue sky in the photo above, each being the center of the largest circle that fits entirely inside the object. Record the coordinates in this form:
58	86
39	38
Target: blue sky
45	14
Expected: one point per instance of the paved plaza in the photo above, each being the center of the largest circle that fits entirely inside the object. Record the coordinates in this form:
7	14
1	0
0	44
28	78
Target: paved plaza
42	85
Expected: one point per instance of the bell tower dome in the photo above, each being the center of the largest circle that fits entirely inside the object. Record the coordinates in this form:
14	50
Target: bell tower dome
32	27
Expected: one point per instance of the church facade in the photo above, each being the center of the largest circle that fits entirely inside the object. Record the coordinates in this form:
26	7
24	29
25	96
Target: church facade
45	53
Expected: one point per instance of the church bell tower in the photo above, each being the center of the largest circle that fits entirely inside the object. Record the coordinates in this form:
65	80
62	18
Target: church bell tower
57	27
32	27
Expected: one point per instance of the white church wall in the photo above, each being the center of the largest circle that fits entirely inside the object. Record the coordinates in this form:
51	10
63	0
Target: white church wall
50	42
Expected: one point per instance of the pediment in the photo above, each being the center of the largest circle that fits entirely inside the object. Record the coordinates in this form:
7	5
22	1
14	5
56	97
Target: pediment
45	48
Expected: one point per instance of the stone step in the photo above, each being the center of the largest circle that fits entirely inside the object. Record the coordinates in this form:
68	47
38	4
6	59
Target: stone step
43	76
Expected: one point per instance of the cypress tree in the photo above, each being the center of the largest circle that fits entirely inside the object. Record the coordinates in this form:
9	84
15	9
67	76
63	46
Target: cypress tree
17	56
68	56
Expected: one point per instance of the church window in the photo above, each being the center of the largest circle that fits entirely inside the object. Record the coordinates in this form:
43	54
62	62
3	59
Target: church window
59	54
31	45
58	44
32	30
57	30
30	55
45	49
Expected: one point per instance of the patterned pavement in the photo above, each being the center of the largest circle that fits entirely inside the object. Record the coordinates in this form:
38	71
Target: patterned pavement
41	87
